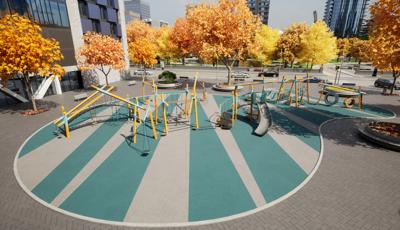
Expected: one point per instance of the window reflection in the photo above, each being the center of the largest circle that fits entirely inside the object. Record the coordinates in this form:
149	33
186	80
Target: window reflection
45	12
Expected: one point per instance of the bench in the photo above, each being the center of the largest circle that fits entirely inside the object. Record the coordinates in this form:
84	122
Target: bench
183	77
131	83
81	96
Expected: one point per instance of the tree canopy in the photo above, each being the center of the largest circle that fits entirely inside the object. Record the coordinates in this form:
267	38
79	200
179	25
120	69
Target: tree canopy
318	44
100	52
24	51
289	44
265	45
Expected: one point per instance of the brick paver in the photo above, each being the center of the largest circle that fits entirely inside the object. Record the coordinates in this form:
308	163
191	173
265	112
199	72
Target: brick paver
356	187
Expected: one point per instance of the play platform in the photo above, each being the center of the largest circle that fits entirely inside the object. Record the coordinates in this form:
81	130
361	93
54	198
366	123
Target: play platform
162	160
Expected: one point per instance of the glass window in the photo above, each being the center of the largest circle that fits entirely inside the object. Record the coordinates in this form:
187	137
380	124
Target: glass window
4	8
96	26
19	6
113	29
56	13
103	12
64	14
83	8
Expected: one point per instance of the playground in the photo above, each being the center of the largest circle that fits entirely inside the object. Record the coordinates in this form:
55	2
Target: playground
182	157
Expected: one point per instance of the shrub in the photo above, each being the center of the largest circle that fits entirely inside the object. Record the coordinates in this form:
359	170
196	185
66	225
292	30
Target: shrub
167	77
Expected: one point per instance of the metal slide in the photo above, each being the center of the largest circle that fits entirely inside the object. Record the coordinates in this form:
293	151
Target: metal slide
10	93
265	120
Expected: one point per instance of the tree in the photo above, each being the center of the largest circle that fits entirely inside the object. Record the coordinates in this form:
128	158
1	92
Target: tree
318	45
26	53
343	45
222	31
165	48
385	37
289	44
137	29
181	39
360	49
100	52
143	51
265	46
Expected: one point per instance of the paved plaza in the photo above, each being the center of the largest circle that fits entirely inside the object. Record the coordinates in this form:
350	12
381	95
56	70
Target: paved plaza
354	186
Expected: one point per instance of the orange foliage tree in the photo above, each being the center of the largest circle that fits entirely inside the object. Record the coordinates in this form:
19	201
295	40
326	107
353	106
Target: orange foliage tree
24	52
385	37
181	39
222	31
143	51
289	44
360	49
137	30
100	52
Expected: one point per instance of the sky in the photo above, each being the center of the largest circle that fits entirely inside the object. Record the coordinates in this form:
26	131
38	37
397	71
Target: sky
282	12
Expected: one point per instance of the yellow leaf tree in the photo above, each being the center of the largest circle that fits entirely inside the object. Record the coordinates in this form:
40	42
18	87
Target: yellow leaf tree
318	45
385	37
360	49
24	52
137	30
165	48
181	39
265	46
289	44
343	46
222	31
143	52
100	52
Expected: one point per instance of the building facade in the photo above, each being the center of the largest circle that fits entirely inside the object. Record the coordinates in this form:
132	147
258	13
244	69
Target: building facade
155	23
261	8
346	17
136	7
67	21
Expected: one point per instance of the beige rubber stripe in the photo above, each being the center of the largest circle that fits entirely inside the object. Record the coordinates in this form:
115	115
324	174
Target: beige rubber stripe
210	107
36	165
306	124
163	194
305	156
94	163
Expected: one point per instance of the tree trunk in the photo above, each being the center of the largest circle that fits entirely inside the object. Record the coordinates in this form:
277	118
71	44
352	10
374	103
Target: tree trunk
183	61
28	85
229	74
394	82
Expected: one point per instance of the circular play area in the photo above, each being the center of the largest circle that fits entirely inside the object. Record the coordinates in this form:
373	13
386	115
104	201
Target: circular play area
178	158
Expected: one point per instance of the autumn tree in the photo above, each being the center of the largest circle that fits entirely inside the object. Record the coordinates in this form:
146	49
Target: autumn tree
222	31
289	44
100	52
181	39
265	45
360	49
24	52
385	37
343	46
166	50
143	52
138	30
318	45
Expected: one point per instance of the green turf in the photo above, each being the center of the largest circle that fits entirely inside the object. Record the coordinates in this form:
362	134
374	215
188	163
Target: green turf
215	189
109	191
275	171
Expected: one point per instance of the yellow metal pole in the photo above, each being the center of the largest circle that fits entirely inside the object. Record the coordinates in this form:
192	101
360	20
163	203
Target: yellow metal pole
66	125
165	116
138	110
186	101
196	113
308	89
135	125
360	99
296	92
290	93
143	89
280	88
233	107
156	107
152	122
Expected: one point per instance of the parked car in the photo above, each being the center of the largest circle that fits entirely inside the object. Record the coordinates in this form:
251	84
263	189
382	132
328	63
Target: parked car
269	73
314	80
240	75
143	72
385	83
